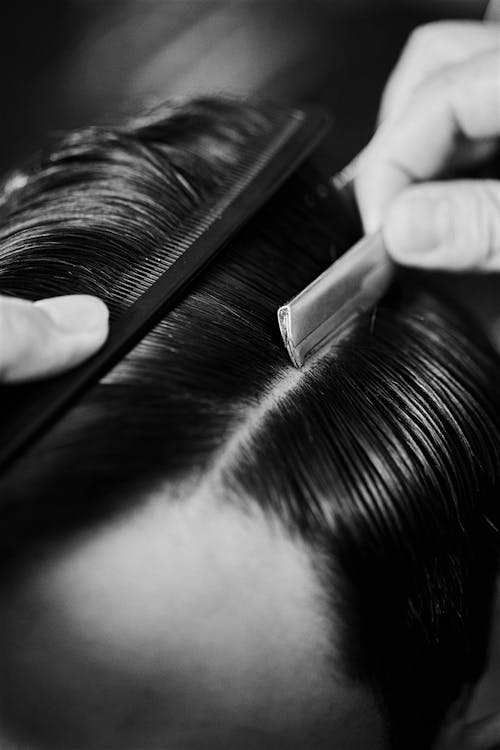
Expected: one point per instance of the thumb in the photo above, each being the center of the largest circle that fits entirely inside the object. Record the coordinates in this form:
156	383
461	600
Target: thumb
40	339
446	225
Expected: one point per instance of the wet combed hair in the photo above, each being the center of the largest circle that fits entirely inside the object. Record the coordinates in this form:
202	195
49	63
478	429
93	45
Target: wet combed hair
383	455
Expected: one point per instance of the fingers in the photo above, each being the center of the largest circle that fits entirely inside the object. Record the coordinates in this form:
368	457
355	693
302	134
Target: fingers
429	49
45	338
459	103
446	225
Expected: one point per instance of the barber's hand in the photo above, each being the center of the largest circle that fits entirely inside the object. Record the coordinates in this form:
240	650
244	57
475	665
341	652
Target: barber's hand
440	112
39	339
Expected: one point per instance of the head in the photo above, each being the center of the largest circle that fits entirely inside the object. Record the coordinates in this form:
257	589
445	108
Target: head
213	549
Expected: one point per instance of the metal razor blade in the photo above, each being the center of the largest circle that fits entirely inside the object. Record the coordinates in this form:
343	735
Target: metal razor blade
313	320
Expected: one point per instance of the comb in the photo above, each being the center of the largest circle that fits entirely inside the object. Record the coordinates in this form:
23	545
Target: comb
151	289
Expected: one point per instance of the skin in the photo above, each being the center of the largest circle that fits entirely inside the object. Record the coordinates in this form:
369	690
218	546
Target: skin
180	625
440	113
47	337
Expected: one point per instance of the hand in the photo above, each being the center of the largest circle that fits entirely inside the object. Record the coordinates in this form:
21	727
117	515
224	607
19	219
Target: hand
440	111
40	339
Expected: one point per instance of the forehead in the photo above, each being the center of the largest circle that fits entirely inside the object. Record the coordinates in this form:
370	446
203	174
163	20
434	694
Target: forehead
188	624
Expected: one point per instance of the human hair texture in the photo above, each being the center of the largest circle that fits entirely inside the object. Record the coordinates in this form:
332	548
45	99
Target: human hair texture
382	455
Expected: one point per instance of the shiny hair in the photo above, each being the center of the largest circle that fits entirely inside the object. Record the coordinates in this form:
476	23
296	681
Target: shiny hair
383	455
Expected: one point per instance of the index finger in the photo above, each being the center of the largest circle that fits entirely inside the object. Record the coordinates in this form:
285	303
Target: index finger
460	102
429	49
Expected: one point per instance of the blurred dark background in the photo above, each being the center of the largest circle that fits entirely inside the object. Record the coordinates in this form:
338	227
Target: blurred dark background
70	62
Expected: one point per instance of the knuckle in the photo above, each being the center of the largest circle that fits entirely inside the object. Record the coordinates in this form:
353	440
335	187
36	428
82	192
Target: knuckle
436	39
428	35
446	83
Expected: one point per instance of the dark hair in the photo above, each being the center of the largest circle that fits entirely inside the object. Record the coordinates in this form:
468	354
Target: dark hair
383	455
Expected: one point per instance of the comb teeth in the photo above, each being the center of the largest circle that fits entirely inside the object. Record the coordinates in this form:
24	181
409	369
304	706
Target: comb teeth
259	150
149	287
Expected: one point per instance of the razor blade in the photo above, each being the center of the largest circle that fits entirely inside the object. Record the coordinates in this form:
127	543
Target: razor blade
314	320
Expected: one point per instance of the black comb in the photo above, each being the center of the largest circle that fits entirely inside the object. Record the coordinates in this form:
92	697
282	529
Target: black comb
268	160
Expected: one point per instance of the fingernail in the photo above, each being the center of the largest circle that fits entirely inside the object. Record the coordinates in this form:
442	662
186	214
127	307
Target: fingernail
416	226
76	313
